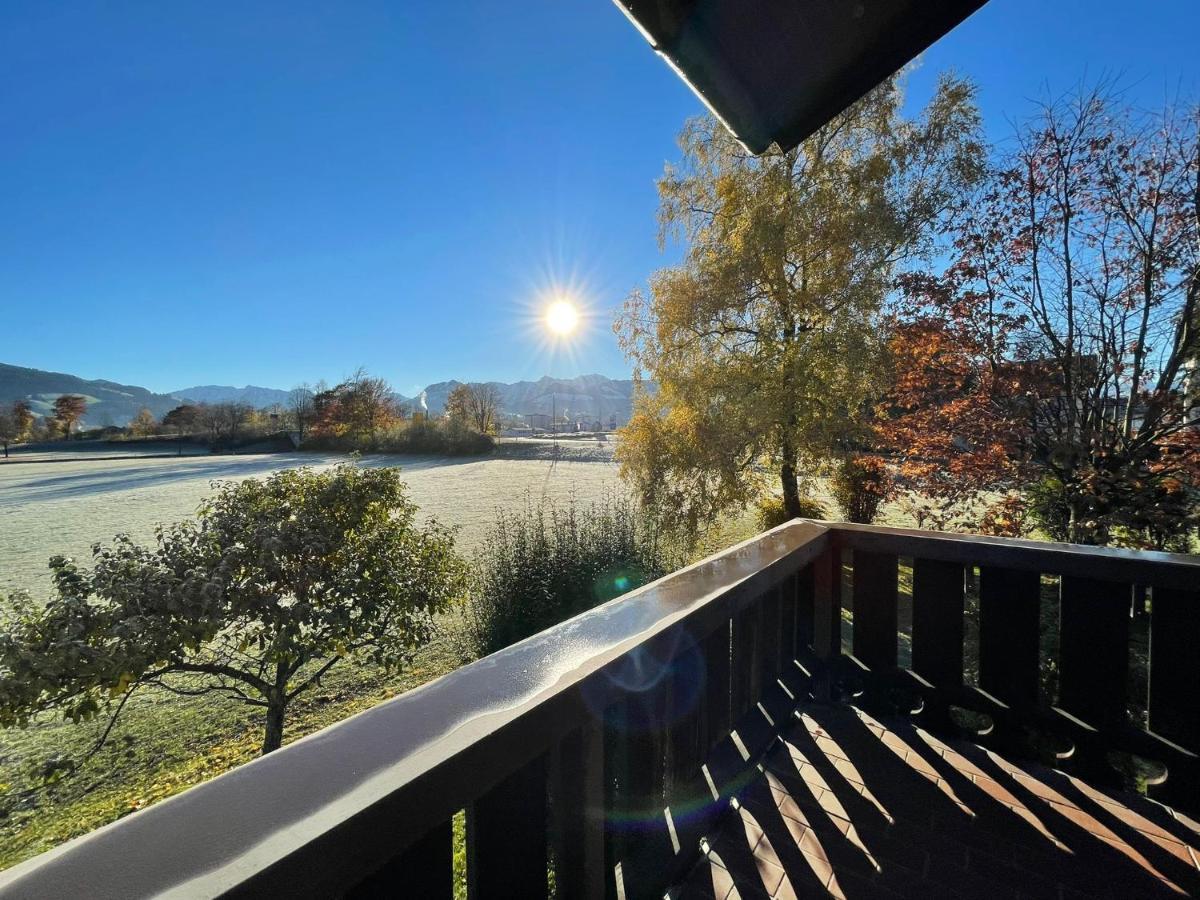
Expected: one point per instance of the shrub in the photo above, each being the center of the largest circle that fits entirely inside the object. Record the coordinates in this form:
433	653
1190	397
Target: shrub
772	513
548	562
1048	507
433	437
861	484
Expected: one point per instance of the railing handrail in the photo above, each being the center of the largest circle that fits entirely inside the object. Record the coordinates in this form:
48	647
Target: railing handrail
374	782
1179	571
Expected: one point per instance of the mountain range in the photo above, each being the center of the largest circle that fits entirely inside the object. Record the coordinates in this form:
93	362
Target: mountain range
111	403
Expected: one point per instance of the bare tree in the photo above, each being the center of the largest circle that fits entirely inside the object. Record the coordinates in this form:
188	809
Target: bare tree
223	421
483	402
301	407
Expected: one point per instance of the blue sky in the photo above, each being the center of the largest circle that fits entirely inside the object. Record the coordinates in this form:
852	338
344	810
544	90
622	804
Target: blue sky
274	192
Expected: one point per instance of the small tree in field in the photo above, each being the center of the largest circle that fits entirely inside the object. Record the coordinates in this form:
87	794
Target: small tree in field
23	419
861	484
143	424
272	585
8	430
68	410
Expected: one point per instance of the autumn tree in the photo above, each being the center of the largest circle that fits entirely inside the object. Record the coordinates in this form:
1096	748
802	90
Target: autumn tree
143	423
1057	347
23	418
764	343
458	404
68	410
8	429
360	407
273	584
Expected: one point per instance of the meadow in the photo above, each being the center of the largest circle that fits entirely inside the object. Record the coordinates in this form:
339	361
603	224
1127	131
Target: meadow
65	507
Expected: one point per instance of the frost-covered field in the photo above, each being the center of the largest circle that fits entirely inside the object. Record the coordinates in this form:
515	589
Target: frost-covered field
64	507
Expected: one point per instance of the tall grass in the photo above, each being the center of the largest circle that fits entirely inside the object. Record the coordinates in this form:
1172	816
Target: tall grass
548	561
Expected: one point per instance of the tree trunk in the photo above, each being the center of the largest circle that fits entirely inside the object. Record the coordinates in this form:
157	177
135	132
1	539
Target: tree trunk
791	492
273	728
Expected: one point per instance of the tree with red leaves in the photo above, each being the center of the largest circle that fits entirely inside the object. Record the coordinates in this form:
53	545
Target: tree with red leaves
1057	348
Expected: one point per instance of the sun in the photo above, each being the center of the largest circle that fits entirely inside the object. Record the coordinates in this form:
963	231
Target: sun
562	317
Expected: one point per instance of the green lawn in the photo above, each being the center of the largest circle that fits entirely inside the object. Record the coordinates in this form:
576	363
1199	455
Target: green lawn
164	746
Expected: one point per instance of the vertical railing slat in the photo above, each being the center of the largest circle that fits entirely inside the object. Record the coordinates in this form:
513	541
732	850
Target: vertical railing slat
827	604
1174	702
875	614
789	592
507	837
772	644
937	630
1174	699
577	814
1093	649
424	869
717	698
1008	634
805	610
747	661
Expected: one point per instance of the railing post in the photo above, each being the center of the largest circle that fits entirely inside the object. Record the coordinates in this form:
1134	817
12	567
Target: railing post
507	839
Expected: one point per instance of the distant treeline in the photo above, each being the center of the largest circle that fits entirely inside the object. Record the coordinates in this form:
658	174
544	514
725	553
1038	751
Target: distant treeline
361	413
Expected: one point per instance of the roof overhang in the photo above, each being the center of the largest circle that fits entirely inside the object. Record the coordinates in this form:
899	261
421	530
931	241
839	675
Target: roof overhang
774	71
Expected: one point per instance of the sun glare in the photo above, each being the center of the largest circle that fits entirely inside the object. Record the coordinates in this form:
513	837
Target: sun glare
562	317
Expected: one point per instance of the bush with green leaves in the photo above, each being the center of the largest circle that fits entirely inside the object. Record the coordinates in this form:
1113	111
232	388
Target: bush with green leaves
547	562
270	586
861	485
1049	507
771	512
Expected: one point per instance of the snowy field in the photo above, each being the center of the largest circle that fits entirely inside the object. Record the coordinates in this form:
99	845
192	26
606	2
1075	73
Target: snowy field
64	507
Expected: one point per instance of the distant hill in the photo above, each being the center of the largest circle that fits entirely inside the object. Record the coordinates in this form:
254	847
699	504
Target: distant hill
258	397
109	403
593	396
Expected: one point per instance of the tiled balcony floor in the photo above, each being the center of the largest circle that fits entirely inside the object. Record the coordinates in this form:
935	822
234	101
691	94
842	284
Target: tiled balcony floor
852	807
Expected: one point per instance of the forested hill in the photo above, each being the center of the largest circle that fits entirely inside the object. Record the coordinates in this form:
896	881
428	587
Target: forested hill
258	397
109	403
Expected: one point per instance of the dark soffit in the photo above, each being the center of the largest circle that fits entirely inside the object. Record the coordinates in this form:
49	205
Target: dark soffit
774	71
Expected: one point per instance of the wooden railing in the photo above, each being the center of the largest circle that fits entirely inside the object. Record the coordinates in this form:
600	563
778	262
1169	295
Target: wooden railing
595	756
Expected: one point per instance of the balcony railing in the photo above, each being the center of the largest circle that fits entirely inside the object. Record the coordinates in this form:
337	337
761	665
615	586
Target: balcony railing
595	756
